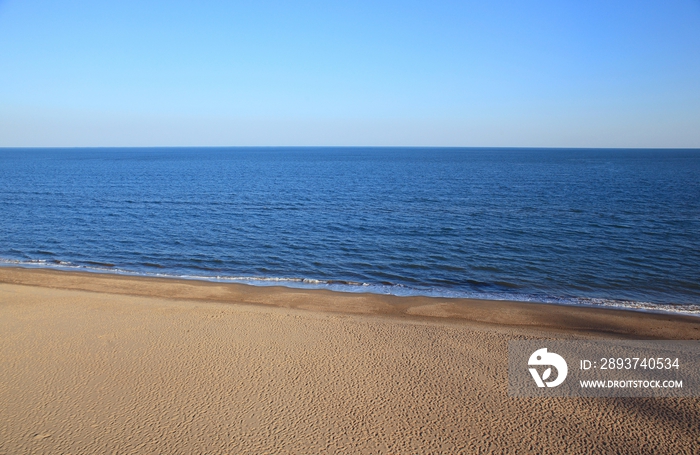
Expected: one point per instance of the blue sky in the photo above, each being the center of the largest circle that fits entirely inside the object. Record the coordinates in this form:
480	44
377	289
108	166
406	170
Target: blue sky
462	73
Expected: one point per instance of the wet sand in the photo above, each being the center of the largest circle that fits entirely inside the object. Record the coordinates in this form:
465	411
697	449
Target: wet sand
102	364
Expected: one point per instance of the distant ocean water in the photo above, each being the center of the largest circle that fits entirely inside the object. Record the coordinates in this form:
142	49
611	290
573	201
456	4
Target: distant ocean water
583	227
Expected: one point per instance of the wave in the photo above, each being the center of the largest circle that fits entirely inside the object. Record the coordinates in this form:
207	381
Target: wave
103	264
385	288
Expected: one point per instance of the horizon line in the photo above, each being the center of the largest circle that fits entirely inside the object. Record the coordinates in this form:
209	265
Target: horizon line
342	147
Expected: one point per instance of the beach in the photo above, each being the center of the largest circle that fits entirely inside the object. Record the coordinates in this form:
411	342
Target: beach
99	363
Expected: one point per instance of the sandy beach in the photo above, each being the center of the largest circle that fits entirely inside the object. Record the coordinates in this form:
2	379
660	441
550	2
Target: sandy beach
95	363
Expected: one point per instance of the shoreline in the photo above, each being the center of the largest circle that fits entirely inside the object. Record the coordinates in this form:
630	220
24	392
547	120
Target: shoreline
547	317
344	286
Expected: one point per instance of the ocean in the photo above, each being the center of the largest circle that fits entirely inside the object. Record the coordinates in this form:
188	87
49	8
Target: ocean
597	227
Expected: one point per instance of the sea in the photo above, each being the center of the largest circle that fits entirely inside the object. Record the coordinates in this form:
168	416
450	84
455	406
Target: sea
593	227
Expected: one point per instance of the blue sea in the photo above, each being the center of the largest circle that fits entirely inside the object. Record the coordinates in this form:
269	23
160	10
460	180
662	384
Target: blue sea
583	227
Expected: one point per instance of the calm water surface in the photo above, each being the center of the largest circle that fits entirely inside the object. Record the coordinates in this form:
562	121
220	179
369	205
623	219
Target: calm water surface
610	227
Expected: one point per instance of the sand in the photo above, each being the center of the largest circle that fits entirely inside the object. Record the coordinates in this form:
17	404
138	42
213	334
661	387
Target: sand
108	364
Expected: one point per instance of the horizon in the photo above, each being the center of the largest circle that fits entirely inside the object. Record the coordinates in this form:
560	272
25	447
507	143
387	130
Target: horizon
504	75
440	147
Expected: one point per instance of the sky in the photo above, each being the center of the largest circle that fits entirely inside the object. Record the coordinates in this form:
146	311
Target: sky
362	73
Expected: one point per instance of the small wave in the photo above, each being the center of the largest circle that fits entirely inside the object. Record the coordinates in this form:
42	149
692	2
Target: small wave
346	283
104	264
201	267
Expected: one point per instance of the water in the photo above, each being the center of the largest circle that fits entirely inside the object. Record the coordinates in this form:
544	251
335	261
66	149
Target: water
601	227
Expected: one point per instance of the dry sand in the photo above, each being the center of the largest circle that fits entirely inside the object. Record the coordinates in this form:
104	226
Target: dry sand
107	364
